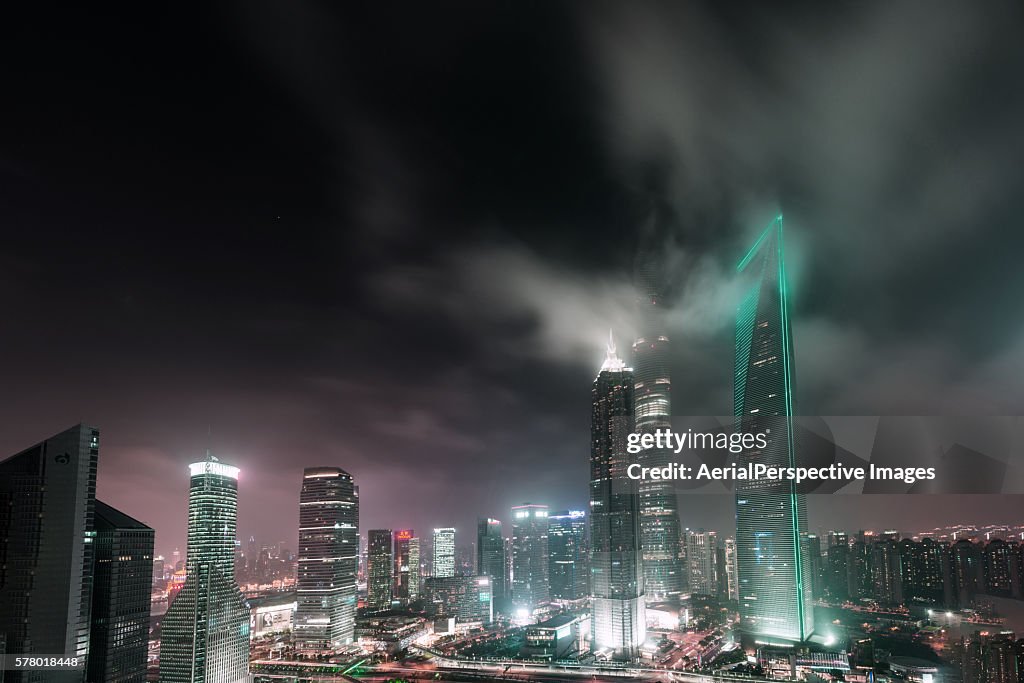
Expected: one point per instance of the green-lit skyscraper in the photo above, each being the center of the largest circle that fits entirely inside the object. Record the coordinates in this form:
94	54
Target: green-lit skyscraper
771	516
205	634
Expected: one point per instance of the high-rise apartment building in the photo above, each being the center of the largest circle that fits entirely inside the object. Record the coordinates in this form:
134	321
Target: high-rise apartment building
444	552
47	503
380	564
325	586
616	571
771	515
205	633
122	584
530	585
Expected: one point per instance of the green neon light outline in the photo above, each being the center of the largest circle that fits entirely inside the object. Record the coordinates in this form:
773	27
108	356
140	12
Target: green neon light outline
787	365
753	250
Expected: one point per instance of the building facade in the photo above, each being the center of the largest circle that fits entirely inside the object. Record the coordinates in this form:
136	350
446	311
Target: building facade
530	581
47	504
205	633
771	515
415	570
567	555
444	552
490	555
325	586
700	559
403	569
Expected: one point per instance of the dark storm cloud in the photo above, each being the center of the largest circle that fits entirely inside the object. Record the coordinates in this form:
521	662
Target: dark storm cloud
888	134
393	239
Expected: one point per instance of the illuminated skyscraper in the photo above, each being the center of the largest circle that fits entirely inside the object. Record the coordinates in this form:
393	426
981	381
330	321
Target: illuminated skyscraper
325	612
444	552
380	563
660	529
616	570
402	550
530	587
205	633
732	582
700	559
47	503
415	570
567	555
771	516
490	556
122	584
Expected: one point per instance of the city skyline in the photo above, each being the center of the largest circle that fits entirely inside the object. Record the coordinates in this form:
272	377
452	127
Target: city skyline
449	342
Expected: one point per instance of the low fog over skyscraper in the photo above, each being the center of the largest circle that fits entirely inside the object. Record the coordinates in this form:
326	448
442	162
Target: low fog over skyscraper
660	528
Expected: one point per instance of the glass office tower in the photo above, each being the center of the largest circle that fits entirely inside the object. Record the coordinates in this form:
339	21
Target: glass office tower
379	565
771	516
567	555
530	587
325	614
490	556
122	583
205	633
47	503
616	570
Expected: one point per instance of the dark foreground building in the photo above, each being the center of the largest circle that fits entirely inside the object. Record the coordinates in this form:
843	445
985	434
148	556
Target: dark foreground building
122	581
47	502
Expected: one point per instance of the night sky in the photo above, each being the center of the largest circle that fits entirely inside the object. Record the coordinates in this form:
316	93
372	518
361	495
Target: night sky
393	238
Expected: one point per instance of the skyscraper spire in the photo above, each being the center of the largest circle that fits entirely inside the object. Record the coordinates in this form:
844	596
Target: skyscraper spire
612	361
